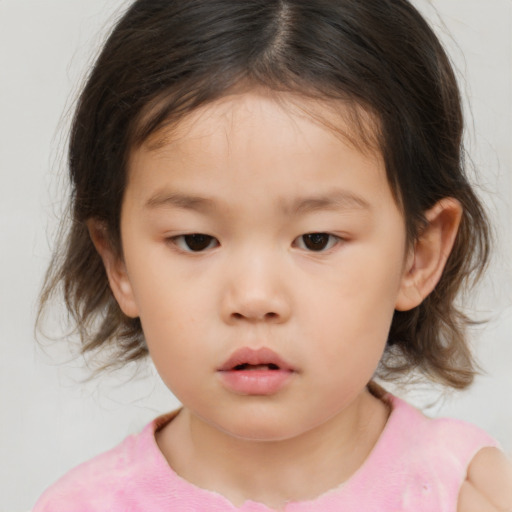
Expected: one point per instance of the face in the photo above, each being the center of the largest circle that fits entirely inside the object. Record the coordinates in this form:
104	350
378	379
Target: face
264	255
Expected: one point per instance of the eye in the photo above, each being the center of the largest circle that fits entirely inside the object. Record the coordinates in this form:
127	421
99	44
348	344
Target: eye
195	242
317	241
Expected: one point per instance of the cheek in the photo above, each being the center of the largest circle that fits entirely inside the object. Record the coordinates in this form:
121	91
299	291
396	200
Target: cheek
169	321
354	310
173	346
360	297
162	293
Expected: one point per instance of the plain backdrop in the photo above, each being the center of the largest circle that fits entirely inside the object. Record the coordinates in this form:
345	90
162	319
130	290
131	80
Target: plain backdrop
50	418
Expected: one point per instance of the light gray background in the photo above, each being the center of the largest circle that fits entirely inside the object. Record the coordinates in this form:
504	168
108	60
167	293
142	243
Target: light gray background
50	420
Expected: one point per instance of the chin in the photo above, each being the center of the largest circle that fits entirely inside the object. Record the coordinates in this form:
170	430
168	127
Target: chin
262	427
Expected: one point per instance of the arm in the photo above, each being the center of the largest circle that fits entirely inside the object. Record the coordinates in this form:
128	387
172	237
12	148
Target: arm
488	484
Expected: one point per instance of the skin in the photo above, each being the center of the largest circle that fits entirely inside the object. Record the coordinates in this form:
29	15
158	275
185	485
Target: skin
488	485
256	175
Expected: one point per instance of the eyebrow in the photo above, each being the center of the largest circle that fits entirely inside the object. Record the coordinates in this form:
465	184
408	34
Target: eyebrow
183	201
336	200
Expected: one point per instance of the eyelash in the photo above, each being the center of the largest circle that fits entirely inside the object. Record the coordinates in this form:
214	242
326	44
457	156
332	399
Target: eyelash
206	242
183	242
332	241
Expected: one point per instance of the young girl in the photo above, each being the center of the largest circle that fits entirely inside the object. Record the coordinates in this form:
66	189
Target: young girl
269	198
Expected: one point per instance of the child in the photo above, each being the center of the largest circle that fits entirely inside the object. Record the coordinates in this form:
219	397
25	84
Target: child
269	198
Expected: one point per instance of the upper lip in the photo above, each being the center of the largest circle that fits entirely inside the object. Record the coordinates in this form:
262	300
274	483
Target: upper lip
254	357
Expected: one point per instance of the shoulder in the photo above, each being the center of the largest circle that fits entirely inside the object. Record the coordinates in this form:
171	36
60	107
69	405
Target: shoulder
488	483
93	480
452	435
437	455
442	442
100	483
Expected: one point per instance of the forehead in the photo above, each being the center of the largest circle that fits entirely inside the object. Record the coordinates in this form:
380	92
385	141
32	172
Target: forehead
265	142
345	119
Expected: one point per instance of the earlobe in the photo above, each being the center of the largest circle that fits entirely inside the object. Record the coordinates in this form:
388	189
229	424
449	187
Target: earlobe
427	258
115	268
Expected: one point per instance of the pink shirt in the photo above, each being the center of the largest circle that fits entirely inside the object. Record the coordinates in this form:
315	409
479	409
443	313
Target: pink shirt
418	464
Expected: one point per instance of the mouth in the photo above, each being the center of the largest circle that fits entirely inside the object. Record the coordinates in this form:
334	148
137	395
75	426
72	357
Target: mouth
259	372
248	359
247	366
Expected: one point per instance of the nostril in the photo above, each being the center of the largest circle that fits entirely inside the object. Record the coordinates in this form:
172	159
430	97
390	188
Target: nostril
271	316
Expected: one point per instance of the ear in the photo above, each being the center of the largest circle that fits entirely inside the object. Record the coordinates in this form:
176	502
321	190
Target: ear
115	268
427	258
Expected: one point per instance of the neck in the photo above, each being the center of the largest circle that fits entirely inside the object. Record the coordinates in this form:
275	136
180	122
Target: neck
274	472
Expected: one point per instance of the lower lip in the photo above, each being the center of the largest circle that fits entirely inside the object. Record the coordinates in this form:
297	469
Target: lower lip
255	382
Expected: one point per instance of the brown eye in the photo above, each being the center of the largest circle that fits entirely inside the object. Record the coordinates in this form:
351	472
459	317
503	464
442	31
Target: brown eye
195	242
317	241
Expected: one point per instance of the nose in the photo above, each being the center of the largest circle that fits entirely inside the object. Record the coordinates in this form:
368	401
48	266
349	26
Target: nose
256	291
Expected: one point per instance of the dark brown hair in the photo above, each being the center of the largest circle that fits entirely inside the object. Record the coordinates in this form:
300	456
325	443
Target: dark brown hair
165	58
